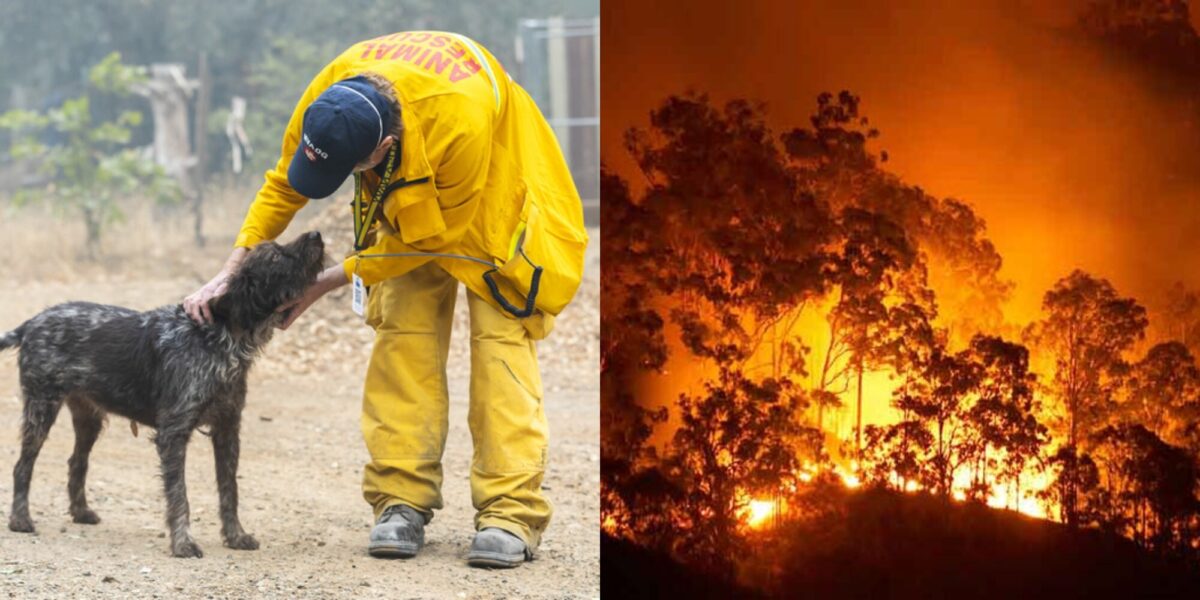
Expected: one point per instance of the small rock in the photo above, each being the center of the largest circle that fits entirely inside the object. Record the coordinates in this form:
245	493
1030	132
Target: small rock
265	418
108	579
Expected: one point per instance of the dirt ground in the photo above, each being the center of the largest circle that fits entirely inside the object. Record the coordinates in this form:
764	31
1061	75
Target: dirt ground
302	452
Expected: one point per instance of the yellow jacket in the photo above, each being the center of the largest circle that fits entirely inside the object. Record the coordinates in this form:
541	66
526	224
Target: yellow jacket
497	178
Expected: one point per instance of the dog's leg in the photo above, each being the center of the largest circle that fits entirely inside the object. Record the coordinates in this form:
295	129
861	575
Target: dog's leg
40	412
226	442
88	423
172	451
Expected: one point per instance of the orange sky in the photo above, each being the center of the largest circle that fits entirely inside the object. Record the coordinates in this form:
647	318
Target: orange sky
1064	151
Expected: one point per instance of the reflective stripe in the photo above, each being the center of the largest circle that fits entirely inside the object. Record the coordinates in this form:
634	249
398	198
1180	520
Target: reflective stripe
487	67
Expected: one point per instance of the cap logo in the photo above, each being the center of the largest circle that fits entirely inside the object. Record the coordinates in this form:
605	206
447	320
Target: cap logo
312	151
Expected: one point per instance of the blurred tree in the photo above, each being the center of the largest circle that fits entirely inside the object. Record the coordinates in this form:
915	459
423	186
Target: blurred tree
1180	316
1163	390
46	46
90	161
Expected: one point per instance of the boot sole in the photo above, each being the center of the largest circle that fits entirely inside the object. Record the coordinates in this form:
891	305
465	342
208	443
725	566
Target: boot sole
495	560
392	550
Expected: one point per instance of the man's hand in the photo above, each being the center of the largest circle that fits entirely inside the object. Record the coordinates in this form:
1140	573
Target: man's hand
330	279
196	305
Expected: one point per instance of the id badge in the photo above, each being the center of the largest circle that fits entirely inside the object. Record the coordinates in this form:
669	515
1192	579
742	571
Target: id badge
358	298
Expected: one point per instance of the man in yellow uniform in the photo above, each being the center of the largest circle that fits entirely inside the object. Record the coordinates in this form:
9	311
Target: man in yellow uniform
458	179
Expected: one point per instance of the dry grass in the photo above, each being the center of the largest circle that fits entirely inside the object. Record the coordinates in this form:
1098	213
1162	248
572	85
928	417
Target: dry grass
41	243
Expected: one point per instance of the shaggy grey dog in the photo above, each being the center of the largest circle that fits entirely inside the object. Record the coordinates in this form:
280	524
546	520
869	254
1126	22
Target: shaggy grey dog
157	368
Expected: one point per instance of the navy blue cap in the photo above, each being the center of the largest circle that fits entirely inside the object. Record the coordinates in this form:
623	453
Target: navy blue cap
341	128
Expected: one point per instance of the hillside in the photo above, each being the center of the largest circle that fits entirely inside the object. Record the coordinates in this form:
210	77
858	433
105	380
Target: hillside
879	544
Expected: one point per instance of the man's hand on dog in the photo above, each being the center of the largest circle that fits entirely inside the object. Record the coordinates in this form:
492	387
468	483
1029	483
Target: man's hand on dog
196	305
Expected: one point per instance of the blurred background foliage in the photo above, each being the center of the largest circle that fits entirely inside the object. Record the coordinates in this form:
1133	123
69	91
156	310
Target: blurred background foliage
263	50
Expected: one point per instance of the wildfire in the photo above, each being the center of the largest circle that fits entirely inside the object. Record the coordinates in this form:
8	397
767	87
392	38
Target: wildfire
609	525
759	512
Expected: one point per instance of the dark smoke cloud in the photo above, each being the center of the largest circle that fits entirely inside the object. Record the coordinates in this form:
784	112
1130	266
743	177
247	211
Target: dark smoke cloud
1072	154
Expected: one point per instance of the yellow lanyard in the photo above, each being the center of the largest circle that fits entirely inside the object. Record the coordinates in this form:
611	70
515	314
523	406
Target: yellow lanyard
363	220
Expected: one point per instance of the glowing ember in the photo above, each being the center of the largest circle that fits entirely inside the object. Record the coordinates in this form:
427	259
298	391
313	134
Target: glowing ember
609	525
759	513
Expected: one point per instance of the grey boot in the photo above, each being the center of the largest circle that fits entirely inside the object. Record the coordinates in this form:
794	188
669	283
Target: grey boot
399	533
495	547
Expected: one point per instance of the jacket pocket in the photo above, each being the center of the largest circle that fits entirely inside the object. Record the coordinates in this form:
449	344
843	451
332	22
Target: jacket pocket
546	237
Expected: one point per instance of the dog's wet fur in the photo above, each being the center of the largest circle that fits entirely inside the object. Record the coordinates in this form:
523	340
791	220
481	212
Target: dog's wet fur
157	368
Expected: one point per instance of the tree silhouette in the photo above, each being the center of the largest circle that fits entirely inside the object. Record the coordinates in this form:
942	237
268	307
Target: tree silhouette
631	342
1179	318
1088	329
1162	387
879	293
734	438
937	395
1005	434
1151	484
1073	488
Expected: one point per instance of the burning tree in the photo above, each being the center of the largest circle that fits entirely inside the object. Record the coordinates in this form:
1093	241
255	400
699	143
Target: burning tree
1149	487
1005	435
879	298
734	443
720	246
630	344
936	395
1087	330
1163	391
973	409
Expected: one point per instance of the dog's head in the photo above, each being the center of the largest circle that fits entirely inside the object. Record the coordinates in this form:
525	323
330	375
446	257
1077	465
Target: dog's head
270	276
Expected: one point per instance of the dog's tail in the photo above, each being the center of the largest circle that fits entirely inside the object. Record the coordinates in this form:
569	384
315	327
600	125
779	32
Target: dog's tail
11	339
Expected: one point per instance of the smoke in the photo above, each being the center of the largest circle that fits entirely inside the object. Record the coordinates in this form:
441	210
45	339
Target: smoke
1073	155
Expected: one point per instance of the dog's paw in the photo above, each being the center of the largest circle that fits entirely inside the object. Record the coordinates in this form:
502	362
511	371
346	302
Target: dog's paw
86	516
242	541
186	549
20	524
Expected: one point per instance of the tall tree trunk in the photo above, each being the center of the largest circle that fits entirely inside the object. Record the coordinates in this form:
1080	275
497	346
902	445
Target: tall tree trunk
200	137
91	220
858	419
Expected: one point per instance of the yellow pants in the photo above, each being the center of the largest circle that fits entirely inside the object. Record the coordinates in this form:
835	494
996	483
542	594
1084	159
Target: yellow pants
406	405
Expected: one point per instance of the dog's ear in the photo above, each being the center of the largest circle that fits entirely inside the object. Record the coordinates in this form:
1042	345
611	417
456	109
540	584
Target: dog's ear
239	307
